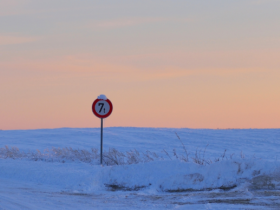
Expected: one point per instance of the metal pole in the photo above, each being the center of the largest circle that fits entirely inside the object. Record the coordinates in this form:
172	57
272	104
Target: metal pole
101	143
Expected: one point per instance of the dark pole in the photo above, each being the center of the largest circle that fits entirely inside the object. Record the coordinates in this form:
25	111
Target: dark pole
101	143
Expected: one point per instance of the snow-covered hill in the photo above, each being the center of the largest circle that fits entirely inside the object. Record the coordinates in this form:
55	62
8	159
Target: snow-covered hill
152	168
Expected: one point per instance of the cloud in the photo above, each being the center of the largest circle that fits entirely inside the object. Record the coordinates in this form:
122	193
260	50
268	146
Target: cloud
71	67
10	40
126	22
264	1
13	7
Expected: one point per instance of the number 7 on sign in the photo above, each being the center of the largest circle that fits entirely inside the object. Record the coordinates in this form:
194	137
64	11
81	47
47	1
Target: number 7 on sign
102	108
102	104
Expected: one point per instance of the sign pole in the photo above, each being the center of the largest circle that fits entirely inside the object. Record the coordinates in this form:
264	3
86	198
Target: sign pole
102	107
101	143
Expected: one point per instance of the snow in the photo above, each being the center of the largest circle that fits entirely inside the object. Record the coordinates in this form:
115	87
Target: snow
246	177
103	97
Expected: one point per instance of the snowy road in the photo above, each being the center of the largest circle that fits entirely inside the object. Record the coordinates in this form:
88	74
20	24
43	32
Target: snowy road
37	197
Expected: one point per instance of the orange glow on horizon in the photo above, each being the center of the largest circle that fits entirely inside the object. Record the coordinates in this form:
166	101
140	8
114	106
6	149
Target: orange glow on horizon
160	99
181	65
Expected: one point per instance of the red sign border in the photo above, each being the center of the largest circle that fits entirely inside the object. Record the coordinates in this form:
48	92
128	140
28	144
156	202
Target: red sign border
102	116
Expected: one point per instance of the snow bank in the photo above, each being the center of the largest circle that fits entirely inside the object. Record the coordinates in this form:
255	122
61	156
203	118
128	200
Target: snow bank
60	176
157	176
176	176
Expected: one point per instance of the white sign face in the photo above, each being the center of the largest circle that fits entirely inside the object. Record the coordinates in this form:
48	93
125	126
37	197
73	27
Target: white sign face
102	107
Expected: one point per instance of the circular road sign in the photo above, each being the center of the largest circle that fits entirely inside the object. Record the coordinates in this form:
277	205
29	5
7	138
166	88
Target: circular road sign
102	108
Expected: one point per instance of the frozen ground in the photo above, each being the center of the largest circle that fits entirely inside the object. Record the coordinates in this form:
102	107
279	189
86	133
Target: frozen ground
245	176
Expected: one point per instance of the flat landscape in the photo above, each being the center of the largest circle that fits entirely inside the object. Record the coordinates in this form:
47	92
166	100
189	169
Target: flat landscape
188	93
143	168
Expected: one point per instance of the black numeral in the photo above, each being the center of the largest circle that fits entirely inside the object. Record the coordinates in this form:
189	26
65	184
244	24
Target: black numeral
101	104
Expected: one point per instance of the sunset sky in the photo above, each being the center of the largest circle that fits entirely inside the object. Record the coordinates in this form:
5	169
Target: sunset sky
192	64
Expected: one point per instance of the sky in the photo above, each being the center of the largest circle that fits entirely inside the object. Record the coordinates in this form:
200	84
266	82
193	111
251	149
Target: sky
162	63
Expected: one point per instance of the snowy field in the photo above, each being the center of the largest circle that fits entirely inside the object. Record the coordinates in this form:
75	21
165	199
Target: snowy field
144	168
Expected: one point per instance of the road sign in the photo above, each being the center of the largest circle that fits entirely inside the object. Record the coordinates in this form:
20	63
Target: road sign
102	108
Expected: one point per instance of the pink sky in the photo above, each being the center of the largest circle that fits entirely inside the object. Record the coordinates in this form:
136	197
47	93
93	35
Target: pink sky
161	64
